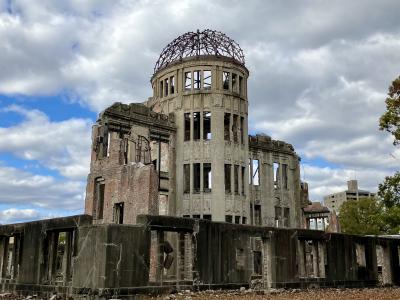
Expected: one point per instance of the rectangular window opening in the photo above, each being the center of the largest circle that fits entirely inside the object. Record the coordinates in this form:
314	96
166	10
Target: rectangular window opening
244	220
257	215
119	213
196	125
196	178
207	79
186	178
236	178
172	84
256	172
207	177
227	123
166	87
187	127
228	219
225	80
278	216
284	176
286	217
207	217
243	180
237	219
99	198
207	125
196	80
242	130
227	178
161	88
188	81
234	83
240	85
235	129
276	175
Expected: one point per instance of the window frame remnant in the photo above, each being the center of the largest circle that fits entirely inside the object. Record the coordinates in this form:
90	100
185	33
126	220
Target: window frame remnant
207	79
197	79
188	81
186	178
187	131
228	218
256	172
207	178
161	88
196	178
207	135
227	176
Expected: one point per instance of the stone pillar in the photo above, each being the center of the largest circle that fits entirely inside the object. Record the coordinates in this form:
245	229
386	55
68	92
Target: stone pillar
386	266
314	251
321	258
301	259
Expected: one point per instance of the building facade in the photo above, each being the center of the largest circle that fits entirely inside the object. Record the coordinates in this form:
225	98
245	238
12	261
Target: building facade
335	201
209	167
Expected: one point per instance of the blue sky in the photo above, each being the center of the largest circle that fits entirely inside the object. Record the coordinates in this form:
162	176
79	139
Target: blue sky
316	81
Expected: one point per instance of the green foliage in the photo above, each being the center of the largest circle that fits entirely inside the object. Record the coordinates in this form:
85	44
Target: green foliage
389	190
390	120
364	216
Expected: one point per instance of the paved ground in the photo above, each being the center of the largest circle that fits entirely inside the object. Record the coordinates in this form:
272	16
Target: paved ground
322	294
318	294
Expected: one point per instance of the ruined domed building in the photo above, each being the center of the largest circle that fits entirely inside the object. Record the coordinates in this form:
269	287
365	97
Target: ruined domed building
179	196
194	129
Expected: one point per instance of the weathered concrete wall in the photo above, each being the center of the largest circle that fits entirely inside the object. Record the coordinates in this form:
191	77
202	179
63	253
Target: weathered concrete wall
123	179
111	257
115	260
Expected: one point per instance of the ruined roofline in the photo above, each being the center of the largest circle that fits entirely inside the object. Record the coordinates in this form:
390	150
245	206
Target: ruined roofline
194	44
122	115
265	142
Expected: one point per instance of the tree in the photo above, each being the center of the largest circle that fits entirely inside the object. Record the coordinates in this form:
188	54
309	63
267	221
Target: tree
390	120
389	191
362	216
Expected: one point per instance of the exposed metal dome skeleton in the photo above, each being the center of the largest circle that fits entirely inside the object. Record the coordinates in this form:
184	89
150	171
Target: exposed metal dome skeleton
207	42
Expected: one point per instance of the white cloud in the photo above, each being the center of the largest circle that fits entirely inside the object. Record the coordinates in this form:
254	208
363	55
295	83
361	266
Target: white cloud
24	188
63	146
315	81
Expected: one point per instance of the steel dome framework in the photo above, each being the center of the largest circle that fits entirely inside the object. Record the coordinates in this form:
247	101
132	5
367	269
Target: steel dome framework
191	44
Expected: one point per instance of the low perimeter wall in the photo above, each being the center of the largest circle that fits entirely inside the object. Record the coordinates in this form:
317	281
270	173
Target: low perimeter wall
72	257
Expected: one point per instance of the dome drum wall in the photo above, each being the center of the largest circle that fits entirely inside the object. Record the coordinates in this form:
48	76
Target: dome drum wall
208	97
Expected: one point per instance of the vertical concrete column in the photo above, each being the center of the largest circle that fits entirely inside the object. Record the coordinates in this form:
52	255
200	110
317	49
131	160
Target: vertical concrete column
321	258
301	258
67	258
386	266
267	270
160	257
188	257
314	251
